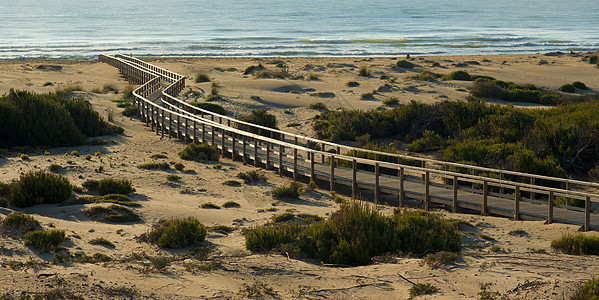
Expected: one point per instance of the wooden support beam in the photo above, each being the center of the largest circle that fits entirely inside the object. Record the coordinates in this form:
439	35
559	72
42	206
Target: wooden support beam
427	196
402	193
454	206
587	214
354	183
550	207
485	209
517	204
332	173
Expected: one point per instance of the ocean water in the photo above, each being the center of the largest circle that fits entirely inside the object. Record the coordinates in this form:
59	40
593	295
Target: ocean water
81	29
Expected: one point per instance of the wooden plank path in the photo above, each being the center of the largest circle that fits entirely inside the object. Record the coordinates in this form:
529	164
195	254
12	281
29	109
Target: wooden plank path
428	182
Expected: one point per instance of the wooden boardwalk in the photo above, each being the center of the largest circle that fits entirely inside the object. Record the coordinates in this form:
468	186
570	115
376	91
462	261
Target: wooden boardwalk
427	182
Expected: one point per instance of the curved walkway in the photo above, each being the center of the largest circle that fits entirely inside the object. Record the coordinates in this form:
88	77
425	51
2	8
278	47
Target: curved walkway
405	178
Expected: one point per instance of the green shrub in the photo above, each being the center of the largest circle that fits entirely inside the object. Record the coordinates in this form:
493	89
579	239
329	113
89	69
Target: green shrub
19	222
129	111
422	289
427	75
261	117
353	84
173	177
251	177
45	241
317	106
115	186
49	119
113	213
101	241
390	101
428	142
177	233
91	184
232	183
364	71
292	191
202	77
439	259
209	205
312	76
270	236
577	244
283	218
110	198
179	166
404	64
355	233
154	165
54	168
158	156
230	204
40	188
202	152
23	156
567	88
488	89
213	107
579	85
587	291
221	229
458	75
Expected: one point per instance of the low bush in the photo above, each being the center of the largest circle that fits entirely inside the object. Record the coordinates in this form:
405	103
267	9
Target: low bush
129	111
40	188
19	222
202	152
458	75
567	88
213	107
579	85
587	291
179	166
177	233
115	186
292	191
91	184
54	168
101	241
270	236
353	84
155	166
230	204
202	77
158	156
113	213
283	218
221	229
262	118
422	289
252	177
364	71
110	198
232	183
390	101
173	177
427	75
404	64
439	259
317	106
577	244
45	241
428	142
209	205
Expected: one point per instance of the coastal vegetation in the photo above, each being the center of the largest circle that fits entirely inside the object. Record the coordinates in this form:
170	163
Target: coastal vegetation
201	152
554	142
176	233
356	233
213	107
52	119
39	188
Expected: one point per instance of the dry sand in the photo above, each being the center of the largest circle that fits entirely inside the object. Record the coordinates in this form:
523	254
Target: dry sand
524	268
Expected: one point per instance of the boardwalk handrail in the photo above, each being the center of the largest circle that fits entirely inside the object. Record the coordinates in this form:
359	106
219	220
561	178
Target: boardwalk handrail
150	76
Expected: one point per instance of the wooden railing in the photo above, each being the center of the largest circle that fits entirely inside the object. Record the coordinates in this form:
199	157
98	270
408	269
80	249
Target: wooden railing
297	154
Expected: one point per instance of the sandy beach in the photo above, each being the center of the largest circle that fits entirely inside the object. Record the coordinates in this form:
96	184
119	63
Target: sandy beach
518	266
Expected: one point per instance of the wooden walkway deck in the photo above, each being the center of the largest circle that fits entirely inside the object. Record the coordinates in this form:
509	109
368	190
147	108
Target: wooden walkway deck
431	183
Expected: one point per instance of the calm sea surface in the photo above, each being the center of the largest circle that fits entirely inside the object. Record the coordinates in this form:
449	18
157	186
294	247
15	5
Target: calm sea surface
80	29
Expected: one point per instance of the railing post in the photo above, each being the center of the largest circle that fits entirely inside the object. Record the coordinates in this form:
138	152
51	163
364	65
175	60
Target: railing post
485	209
195	134
212	135
255	152
295	163
532	194
427	196
501	189
203	133
170	125
243	149
222	141
233	145
178	126
454	206
376	183
402	194
280	160
267	155
354	183
550	208
162	125
186	130
517	204
587	214
332	173
312	171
